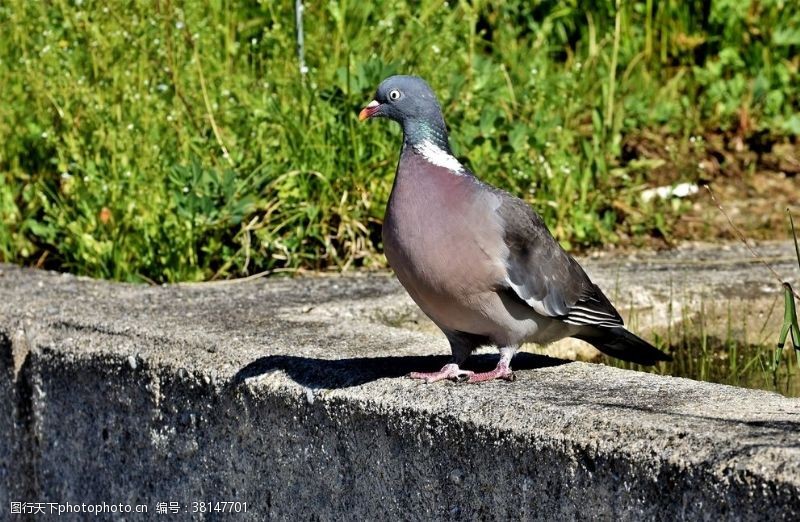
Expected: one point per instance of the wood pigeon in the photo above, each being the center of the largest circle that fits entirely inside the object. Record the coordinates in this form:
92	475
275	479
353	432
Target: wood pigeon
478	261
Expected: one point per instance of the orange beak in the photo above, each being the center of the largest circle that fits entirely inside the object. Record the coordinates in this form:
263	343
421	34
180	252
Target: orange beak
369	110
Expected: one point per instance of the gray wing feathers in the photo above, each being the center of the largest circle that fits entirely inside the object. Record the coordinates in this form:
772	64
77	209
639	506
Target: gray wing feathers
544	276
594	309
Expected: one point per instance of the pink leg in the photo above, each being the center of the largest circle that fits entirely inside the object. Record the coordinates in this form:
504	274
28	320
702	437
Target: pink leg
502	371
448	371
453	372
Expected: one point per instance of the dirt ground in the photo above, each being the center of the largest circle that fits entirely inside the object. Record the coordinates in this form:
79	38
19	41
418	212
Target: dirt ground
754	180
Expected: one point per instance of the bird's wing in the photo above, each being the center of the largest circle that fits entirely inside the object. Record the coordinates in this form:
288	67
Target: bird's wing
544	276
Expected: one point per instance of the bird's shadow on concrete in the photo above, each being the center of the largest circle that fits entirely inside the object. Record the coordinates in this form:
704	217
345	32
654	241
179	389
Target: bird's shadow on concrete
344	373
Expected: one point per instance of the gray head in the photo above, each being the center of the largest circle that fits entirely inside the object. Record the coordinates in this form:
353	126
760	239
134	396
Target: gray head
410	101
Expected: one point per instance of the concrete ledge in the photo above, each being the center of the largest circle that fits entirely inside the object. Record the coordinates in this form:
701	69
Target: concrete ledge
285	394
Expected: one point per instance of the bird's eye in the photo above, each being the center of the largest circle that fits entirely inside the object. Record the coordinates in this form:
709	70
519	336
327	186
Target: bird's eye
394	95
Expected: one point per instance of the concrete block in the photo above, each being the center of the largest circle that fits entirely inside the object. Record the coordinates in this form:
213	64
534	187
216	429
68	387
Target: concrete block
289	395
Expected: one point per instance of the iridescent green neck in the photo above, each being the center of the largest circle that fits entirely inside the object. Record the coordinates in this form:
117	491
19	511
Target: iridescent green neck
416	132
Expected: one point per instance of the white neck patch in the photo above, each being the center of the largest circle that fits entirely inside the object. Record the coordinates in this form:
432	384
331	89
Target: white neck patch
436	155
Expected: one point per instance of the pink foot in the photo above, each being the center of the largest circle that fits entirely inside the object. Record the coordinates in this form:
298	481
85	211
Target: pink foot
501	372
448	371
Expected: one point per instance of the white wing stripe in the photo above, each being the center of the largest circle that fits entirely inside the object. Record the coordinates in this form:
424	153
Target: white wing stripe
581	315
588	323
530	301
591	317
589	311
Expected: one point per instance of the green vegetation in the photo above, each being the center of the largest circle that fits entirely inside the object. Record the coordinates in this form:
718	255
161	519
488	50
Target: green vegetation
790	327
114	119
716	345
704	352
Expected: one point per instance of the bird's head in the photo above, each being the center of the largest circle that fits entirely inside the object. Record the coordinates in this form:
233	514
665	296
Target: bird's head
410	101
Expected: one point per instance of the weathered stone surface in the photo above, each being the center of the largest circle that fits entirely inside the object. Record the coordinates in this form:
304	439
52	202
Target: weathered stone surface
287	395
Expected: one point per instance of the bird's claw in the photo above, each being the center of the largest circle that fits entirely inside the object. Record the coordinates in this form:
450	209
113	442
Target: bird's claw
453	373
449	371
500	372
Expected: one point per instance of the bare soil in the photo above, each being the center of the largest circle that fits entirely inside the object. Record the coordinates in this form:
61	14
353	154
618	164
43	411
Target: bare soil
755	180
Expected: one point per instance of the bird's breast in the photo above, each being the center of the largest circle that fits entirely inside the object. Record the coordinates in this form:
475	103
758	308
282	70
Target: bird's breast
442	238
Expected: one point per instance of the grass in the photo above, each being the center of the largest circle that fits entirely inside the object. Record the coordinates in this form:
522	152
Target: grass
727	343
178	141
715	344
789	329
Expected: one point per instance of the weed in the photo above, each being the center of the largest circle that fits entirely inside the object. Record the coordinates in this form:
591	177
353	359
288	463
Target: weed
110	110
789	328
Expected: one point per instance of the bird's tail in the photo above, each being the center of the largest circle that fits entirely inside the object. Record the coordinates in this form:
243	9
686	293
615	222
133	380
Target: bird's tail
622	344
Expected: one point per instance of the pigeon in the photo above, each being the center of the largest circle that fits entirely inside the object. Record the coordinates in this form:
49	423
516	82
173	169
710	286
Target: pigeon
479	262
